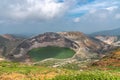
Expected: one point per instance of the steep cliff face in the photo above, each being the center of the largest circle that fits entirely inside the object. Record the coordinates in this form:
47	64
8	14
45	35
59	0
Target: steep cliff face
42	40
89	46
84	41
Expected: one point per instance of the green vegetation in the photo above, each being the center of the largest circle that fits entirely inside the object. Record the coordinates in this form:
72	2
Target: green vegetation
69	71
20	71
93	75
71	66
51	52
10	67
115	68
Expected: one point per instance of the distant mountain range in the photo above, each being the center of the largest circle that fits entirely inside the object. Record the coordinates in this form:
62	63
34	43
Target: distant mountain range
114	32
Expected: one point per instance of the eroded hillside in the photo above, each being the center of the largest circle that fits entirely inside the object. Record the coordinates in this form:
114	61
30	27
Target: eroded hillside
84	46
112	59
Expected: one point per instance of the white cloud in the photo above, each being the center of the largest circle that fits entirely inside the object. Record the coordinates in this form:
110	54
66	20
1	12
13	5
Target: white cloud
117	16
50	9
88	16
109	5
77	19
41	9
102	16
1	21
112	8
100	19
92	11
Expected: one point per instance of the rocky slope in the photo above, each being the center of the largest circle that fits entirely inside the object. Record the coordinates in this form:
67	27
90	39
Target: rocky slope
89	46
3	42
112	59
8	43
111	40
84	46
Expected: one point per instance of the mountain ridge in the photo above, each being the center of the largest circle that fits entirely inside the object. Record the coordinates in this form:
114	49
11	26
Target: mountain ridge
84	46
113	32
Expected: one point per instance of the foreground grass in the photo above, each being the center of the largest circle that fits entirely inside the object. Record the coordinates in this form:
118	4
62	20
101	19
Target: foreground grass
93	75
19	71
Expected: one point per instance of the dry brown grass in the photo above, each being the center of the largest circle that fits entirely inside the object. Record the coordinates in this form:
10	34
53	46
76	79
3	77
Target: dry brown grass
112	60
12	76
30	76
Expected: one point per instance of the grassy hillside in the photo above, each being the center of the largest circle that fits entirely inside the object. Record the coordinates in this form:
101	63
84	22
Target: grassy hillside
51	52
19	71
113	59
93	75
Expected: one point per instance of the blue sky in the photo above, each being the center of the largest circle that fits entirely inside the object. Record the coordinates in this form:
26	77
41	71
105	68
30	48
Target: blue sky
38	16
